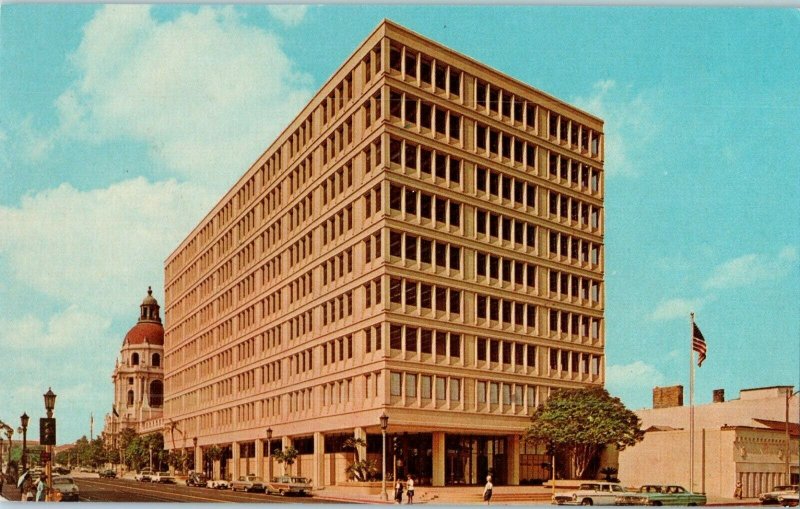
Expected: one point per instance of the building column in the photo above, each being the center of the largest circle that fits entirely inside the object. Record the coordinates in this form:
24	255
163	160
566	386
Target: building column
361	449
286	442
512	457
217	469
198	459
438	458
259	445
318	479
235	467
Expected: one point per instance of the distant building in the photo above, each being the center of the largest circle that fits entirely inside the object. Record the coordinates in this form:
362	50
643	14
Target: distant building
425	239
138	376
737	440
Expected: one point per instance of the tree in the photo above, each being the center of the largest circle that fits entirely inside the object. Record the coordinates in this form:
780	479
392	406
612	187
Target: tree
360	469
287	456
580	422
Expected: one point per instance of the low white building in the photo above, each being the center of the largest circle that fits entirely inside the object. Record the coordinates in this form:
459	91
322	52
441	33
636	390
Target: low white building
738	440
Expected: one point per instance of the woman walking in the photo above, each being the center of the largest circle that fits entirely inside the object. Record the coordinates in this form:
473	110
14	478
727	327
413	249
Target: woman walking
410	489
398	491
487	490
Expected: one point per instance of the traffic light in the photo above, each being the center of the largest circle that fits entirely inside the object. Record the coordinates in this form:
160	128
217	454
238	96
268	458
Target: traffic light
396	449
47	431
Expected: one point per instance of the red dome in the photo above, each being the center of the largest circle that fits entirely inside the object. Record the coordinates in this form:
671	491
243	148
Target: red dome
145	332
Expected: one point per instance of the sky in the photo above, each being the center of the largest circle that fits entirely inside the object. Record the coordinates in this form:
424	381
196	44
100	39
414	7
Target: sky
121	126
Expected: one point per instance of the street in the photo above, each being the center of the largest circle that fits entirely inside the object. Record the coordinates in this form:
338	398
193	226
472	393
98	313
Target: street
125	490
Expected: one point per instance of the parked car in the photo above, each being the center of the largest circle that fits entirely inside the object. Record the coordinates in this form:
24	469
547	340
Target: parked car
66	486
163	478
593	493
287	485
657	495
771	497
108	474
60	470
248	482
197	479
218	484
144	476
788	500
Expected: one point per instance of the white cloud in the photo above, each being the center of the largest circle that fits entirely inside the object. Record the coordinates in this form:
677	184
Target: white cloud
676	308
206	92
751	268
98	248
629	127
65	329
288	14
634	374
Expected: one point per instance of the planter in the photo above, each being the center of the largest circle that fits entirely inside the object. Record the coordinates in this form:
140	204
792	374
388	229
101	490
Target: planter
364	488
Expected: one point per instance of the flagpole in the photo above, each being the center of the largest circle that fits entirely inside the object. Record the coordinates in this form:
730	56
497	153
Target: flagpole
691	405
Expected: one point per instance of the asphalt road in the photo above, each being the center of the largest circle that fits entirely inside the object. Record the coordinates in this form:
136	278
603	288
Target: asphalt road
124	490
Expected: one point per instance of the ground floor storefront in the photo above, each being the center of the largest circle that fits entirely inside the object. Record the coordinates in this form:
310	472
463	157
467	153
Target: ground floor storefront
432	458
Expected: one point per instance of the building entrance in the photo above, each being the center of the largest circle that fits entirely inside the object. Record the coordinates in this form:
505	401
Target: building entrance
469	459
413	455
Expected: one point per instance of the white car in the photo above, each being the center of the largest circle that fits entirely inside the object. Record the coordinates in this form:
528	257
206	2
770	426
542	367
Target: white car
771	497
163	478
219	484
591	493
144	476
67	487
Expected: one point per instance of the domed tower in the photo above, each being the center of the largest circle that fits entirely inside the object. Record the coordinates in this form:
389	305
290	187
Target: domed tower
139	374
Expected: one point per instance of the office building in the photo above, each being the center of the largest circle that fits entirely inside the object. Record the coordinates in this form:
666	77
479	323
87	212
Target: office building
425	239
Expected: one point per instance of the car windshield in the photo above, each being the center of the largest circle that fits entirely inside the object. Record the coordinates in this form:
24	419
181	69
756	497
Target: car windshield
589	487
253	478
301	480
614	487
62	480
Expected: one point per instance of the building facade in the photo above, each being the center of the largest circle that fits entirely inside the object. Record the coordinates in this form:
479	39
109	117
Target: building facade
138	376
742	440
425	239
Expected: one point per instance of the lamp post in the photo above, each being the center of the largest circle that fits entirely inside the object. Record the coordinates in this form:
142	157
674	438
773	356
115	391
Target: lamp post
384	424
23	419
9	434
49	405
789	395
269	454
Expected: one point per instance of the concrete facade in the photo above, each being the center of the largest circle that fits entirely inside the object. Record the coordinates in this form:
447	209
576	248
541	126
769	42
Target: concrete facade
425	239
738	440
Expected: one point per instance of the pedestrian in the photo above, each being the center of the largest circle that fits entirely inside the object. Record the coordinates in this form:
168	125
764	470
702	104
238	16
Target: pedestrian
737	493
487	490
41	488
27	491
398	492
410	489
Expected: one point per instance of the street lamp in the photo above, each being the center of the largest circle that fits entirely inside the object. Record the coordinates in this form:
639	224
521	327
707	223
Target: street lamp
269	454
384	424
49	402
789	395
49	405
23	419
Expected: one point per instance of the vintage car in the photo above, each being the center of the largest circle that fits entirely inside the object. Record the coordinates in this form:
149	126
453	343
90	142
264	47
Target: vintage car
163	478
197	479
287	485
771	497
66	487
657	494
591	493
144	476
248	482
108	474
218	484
788	500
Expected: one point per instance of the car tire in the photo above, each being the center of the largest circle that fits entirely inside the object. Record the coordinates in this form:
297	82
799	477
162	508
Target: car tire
587	501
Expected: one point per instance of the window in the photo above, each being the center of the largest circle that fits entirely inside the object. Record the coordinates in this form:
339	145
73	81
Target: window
425	386
481	392
135	359
481	349
156	360
455	345
455	389
440	388
395	384
494	393
130	398
411	385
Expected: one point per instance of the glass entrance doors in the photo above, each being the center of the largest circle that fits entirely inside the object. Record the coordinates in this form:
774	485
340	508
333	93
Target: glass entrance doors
469	459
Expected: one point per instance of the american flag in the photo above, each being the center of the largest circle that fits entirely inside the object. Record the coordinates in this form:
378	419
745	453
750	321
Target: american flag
698	344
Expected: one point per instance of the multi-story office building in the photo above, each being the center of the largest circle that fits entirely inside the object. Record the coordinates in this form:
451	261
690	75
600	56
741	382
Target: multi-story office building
425	239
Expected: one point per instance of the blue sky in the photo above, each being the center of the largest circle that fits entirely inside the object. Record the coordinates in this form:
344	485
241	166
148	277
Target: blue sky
121	126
